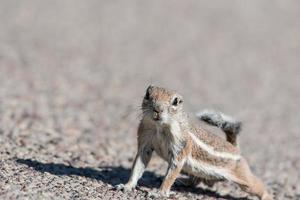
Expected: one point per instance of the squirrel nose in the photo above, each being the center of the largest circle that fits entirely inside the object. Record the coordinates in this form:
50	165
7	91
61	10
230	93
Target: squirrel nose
157	109
156	113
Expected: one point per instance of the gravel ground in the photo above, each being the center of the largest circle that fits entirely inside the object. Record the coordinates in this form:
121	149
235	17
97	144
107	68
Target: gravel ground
73	73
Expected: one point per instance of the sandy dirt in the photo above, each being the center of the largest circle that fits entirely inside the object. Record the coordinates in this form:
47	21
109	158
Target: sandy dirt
73	73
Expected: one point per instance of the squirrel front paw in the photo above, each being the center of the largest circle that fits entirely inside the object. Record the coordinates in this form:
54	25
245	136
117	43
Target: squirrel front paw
125	188
154	195
159	194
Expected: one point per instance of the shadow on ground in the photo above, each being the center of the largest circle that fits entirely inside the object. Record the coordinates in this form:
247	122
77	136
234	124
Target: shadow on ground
108	174
114	175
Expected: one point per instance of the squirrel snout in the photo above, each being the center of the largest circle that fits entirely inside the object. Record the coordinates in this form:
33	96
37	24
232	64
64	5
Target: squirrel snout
157	113
157	108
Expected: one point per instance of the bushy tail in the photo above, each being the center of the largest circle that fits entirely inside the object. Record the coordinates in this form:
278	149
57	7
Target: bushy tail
230	126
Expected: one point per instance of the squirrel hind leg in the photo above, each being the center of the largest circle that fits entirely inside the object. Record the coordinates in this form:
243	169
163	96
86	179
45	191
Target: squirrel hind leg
248	182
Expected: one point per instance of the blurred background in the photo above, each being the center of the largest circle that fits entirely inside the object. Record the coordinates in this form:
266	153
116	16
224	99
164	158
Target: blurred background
73	74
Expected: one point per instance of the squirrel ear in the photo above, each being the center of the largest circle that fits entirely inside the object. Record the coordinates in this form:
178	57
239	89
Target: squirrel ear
147	95
149	88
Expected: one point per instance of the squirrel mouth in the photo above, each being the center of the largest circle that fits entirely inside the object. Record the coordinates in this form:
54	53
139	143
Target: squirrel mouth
156	116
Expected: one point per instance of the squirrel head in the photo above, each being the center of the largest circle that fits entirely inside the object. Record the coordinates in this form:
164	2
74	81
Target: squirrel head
162	105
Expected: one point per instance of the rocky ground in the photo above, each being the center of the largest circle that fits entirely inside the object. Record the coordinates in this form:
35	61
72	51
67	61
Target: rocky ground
73	73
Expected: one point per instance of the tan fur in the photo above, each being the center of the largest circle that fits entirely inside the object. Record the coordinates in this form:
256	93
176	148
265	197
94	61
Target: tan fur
166	129
200	154
214	140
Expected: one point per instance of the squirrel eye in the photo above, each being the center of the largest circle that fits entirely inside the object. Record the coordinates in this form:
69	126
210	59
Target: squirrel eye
176	101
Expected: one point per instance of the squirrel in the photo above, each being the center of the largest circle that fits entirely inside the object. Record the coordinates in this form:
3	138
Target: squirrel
188	148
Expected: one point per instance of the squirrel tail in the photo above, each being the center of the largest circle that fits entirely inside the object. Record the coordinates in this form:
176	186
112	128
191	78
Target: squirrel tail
230	126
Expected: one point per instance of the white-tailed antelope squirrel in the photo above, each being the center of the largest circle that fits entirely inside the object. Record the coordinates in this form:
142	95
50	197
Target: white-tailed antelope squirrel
166	129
